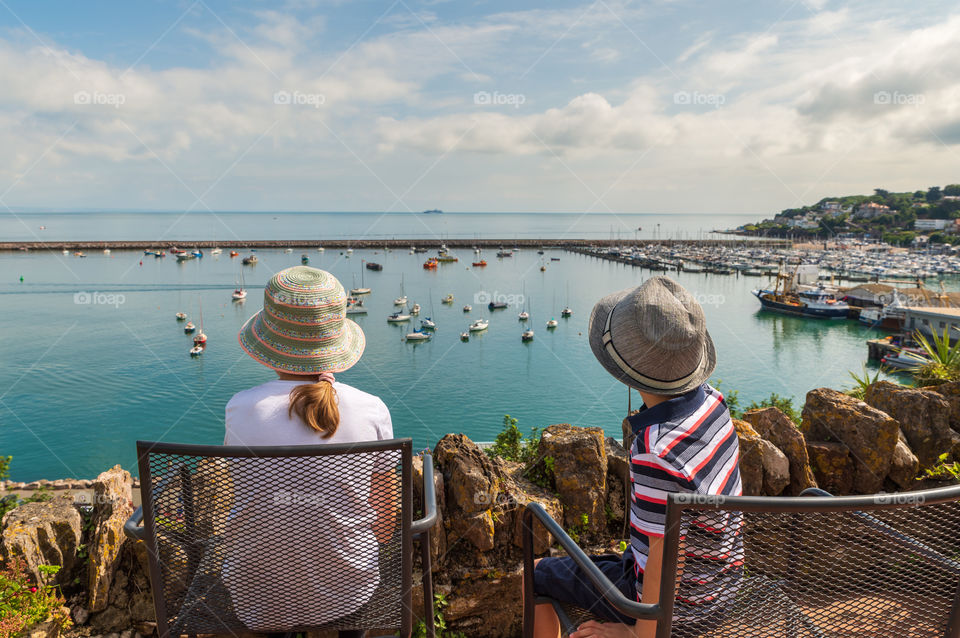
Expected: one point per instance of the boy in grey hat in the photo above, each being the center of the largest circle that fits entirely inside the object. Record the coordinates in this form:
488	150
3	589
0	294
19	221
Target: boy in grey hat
654	339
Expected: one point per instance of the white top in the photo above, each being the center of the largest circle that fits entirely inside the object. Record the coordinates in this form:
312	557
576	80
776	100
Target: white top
321	520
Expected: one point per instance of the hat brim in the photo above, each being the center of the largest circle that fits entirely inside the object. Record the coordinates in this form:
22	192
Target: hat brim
598	322
338	356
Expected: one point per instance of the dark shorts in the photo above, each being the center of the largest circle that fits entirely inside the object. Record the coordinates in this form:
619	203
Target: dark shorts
561	579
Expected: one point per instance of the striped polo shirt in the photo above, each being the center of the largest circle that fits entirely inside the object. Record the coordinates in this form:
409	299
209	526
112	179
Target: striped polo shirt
687	444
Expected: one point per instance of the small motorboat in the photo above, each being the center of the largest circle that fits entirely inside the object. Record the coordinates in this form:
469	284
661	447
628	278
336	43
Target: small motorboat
504	253
428	324
355	306
554	259
79	253
288	250
418	335
106	251
464	336
65	251
566	312
527	335
234	253
200	339
304	259
320	249
239	294
185	257
497	305
553	323
415	310
400	301
479	325
467	308
216	251
197	253
398	318
359	291
196	351
189	328
430	264
373	266
176	251
480	264
419	249
249	261
448	299
523	316
181	316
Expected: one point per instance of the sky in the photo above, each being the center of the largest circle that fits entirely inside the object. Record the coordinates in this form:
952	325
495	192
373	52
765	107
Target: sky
662	106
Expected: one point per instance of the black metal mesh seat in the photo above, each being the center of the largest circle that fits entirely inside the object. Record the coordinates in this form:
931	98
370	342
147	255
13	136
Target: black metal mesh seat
290	539
817	566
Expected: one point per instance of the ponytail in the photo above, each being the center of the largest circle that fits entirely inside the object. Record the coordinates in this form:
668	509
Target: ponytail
316	405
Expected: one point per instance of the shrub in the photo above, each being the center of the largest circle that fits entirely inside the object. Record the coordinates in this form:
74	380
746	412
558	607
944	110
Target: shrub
861	383
511	445
784	404
25	604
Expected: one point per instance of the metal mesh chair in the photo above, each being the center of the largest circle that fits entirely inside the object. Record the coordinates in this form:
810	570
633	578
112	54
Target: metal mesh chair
283	539
812	566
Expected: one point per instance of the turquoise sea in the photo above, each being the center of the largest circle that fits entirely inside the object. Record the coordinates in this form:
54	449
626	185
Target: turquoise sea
93	358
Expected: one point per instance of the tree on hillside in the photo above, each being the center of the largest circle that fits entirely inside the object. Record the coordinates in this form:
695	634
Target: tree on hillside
934	194
951	189
881	193
919	195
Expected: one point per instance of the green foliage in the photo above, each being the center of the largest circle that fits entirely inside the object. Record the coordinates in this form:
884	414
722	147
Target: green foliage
577	530
5	467
511	445
944	359
623	546
943	471
25	604
12	501
542	473
784	404
861	383
731	398
439	623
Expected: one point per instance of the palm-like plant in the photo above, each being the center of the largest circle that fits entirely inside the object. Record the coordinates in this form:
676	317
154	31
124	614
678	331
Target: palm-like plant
861	383
940	361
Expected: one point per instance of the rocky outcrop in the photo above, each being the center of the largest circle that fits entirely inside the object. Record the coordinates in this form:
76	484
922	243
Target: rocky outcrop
904	465
112	506
471	480
576	461
923	415
777	428
832	466
764	469
950	392
46	533
869	434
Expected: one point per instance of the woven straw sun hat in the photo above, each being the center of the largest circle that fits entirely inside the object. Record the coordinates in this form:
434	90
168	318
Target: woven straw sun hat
653	338
302	328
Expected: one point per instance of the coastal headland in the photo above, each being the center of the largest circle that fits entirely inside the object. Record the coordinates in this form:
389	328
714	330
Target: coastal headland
434	242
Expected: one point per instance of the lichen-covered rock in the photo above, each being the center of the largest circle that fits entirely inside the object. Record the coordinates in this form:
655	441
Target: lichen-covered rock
477	529
950	392
45	533
764	469
924	417
112	506
579	472
904	467
129	599
618	459
869	434
776	427
486	602
469	476
832	466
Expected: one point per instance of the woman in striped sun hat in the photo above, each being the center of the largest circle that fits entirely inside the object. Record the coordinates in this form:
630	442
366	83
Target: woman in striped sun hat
302	333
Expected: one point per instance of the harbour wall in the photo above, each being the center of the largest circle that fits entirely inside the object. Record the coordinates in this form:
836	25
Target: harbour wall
426	242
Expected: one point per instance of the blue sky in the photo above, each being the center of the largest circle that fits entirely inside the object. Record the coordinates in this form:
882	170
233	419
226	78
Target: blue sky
659	106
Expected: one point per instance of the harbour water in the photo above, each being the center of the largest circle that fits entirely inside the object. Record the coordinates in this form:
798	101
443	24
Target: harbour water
93	358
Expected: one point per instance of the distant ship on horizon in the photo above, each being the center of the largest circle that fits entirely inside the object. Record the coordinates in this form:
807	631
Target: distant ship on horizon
433	211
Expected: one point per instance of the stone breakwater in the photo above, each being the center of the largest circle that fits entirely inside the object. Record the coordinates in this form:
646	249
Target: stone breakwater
398	244
843	444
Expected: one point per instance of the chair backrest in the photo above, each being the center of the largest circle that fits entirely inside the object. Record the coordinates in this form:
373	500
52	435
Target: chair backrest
882	565
278	539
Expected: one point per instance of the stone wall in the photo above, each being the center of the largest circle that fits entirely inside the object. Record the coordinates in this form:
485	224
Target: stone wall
843	445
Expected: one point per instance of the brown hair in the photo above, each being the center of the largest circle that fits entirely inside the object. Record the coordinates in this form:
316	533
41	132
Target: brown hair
316	404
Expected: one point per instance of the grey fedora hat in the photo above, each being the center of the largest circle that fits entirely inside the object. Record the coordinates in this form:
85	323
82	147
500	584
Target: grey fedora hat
653	338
